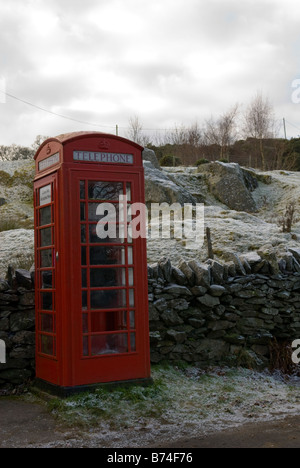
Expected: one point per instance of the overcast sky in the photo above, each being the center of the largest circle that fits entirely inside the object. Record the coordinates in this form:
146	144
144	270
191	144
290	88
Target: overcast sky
170	62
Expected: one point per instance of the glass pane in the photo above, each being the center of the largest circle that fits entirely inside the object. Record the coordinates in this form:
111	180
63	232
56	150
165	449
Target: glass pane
109	344
84	300
46	258
108	321
85	323
83	233
107	256
131	297
46	237
47	345
130	277
47	323
83	255
113	299
85	345
130	256
132	319
132	342
82	211
107	277
45	216
84	278
47	280
82	190
128	191
108	215
94	239
46	301
105	190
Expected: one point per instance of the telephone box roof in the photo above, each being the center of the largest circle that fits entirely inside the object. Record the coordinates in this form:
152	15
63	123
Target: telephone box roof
65	138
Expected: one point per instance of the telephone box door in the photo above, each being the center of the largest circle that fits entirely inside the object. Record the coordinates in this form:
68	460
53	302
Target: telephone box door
110	265
46	241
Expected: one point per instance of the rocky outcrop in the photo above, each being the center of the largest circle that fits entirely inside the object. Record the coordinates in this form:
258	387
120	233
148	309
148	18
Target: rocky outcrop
149	155
231	185
159	188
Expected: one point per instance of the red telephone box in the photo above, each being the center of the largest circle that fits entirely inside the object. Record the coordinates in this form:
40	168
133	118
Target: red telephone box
91	291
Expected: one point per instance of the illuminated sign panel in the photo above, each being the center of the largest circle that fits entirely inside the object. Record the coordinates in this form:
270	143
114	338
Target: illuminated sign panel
112	158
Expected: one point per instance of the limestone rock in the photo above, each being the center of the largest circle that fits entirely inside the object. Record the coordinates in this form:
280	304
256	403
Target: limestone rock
159	188
202	273
23	278
232	257
178	276
217	290
187	271
209	301
166	268
149	155
229	185
176	290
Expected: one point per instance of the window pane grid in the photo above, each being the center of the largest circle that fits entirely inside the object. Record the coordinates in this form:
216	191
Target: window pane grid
45	240
104	261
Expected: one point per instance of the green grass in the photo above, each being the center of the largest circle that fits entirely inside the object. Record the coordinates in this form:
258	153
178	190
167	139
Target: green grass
183	400
118	406
11	224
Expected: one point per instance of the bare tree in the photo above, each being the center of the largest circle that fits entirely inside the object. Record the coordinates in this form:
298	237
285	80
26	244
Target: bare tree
222	131
259	122
135	131
38	141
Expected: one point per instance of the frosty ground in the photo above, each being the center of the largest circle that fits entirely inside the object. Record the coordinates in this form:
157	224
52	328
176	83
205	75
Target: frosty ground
231	231
182	404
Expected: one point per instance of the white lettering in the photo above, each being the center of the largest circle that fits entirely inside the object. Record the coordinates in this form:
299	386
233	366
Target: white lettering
166	222
165	210
137	226
107	226
295	355
194	231
114	158
2	352
118	458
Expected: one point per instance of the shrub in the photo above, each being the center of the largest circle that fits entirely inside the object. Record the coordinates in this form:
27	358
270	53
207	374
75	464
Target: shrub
170	161
202	161
286	221
224	160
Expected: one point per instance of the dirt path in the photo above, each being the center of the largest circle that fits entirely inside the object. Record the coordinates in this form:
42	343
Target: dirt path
24	424
277	434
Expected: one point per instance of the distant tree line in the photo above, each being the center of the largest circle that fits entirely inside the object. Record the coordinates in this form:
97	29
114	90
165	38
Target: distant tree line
249	138
17	152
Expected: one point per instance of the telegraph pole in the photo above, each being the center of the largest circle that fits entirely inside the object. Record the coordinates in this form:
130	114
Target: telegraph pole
284	126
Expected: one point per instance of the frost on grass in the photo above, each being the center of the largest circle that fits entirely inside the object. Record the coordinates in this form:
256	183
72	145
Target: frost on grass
182	403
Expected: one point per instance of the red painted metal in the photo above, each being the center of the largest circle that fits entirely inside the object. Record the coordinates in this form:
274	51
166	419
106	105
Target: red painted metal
91	294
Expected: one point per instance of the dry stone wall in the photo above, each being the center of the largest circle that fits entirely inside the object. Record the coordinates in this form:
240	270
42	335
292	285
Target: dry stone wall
223	314
17	329
204	314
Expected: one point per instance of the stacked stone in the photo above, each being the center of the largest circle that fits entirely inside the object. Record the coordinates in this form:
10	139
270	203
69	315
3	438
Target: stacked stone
215	313
17	329
201	313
